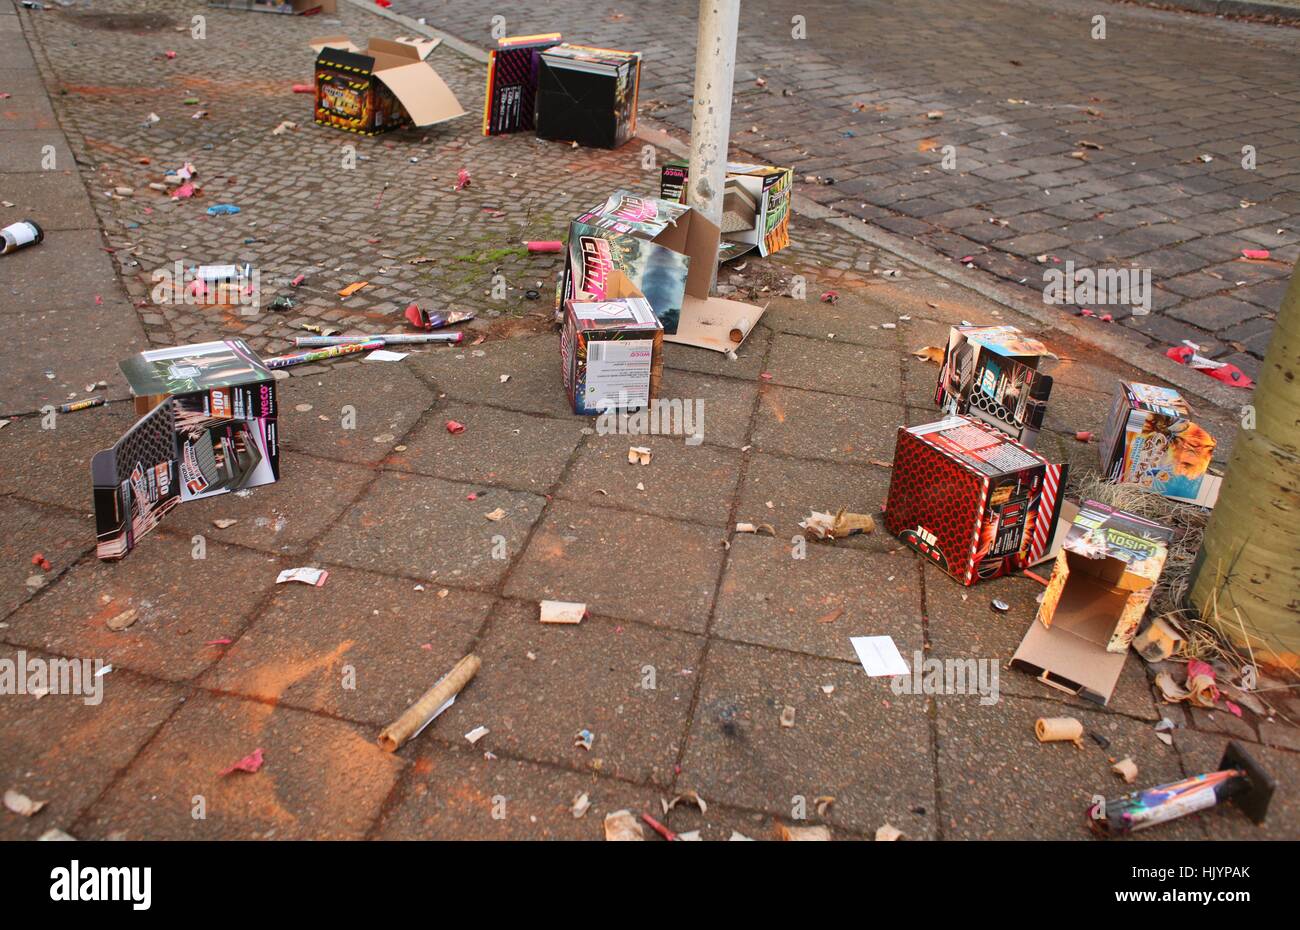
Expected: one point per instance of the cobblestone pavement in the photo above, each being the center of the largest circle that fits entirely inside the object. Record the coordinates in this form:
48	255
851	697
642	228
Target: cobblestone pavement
1022	87
698	637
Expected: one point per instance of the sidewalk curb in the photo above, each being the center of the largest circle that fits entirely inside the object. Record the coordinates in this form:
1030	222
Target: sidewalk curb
1283	13
1114	343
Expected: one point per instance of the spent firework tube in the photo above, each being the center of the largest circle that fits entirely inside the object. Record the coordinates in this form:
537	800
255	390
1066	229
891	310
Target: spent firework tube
544	246
427	319
301	358
81	405
1146	808
386	339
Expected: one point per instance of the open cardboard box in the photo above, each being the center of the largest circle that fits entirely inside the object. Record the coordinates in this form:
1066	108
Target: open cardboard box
667	251
1101	584
1151	441
386	86
991	374
755	205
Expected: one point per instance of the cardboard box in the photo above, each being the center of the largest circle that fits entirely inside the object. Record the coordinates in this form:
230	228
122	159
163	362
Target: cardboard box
991	373
667	252
211	426
291	7
514	69
1150	441
387	86
1101	583
588	95
755	205
971	499
612	352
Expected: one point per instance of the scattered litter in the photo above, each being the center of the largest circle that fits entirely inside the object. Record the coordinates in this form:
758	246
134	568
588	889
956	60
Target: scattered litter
495	515
123	620
879	656
817	834
999	605
222	209
1160	639
426	320
824	526
583	739
1059	729
284	127
934	114
581	804
688	797
638	455
1126	769
1200	688
385	355
352	288
659	828
1083	435
454	427
250	763
830	297
766	528
41	561
929	354
476	734
546	246
432	703
888	833
21	804
55	835
19	235
737	836
462	179
562	612
787	716
622	826
312	576
1226	372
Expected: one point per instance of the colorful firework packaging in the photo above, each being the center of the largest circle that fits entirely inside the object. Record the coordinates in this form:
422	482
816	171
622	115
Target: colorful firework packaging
755	206
1100	586
514	68
991	374
211	427
1151	441
612	353
971	499
387	86
1239	779
588	95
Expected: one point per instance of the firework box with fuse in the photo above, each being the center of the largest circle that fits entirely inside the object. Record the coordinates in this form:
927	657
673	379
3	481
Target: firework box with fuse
587	95
1101	583
388	85
210	426
991	373
667	252
1151	442
755	206
612	351
971	499
514	68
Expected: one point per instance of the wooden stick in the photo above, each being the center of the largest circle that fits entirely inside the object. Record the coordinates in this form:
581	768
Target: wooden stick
417	716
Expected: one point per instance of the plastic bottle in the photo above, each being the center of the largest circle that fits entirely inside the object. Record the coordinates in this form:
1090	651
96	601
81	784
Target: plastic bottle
22	233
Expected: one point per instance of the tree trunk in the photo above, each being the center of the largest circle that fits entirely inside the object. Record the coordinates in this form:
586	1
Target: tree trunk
1247	575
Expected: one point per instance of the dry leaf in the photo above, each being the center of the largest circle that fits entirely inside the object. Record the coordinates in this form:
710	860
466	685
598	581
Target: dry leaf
929	354
21	804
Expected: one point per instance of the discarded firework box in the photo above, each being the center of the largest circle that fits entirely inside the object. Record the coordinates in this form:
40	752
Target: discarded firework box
991	373
292	7
612	351
971	499
1150	441
1101	583
211	427
588	95
387	86
755	206
514	68
1239	778
668	253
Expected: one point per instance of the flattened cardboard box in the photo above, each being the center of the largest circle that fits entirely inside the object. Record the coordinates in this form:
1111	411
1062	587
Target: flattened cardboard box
991	373
1101	583
211	427
971	499
387	86
755	205
514	68
612	352
1151	441
668	252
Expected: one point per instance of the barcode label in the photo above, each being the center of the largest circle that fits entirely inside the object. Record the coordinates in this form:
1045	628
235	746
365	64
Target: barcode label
595	351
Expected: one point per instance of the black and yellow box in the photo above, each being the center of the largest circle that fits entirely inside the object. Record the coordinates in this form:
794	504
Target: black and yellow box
388	85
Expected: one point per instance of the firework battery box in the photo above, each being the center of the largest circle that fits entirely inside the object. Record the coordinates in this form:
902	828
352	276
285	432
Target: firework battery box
210	426
514	68
991	374
755	206
1151	441
668	252
588	95
971	499
1101	583
612	353
387	86
292	7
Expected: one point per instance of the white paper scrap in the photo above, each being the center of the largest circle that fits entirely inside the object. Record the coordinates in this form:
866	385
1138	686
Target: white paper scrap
879	656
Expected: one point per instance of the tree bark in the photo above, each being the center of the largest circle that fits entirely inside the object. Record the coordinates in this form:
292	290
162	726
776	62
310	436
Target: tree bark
1247	575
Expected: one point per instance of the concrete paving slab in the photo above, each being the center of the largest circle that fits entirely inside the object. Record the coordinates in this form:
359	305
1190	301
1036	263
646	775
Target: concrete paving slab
53	465
811	424
55	199
30	529
834	366
1201	752
728	403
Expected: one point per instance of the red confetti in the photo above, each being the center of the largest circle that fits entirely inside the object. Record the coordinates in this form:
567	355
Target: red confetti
250	763
1256	255
830	297
219	642
454	427
40	559
462	179
1083	435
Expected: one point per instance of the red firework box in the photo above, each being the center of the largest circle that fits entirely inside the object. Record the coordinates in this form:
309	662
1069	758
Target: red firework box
971	499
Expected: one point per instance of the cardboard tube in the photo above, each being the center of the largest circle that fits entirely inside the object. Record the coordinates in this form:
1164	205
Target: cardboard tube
1056	729
393	736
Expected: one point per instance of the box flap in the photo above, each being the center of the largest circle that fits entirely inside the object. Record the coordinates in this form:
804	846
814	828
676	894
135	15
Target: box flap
342	42
702	238
714	323
421	45
1061	659
423	93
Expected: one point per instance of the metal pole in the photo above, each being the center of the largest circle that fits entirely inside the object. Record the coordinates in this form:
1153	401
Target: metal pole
715	73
